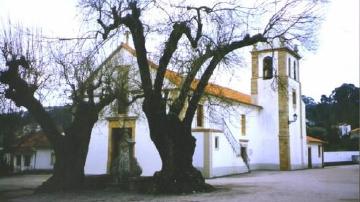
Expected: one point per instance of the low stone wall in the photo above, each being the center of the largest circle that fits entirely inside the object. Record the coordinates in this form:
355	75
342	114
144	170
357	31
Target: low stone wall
340	157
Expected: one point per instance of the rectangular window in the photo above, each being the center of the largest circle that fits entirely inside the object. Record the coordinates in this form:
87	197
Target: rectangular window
295	76
294	98
243	124
289	67
319	151
200	116
27	159
18	160
216	142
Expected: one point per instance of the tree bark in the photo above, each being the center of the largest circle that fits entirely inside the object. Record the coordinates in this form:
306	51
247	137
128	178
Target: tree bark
71	152
70	149
176	146
68	173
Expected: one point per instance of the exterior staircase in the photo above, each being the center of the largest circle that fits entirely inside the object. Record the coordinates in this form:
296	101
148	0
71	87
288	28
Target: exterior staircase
235	144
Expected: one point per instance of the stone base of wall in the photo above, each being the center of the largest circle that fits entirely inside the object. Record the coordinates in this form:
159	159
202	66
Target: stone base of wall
223	171
231	170
264	166
340	163
300	167
317	165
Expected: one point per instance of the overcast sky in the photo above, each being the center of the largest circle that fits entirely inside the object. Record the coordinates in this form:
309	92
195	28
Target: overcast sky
335	62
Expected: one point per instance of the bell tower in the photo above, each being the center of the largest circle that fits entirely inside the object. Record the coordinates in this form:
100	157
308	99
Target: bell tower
275	86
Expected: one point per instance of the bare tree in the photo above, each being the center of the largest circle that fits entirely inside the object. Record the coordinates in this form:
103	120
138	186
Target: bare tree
207	35
30	69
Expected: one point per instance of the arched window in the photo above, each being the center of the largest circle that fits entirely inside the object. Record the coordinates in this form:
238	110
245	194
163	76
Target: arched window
295	70
268	67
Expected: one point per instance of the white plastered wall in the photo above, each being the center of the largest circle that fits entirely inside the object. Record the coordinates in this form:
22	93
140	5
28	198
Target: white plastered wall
267	135
296	134
145	150
316	156
43	159
198	157
224	159
97	157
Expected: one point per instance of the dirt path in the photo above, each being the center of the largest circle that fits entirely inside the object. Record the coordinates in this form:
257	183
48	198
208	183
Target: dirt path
340	183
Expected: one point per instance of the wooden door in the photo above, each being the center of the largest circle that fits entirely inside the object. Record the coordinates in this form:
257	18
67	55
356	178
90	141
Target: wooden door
309	158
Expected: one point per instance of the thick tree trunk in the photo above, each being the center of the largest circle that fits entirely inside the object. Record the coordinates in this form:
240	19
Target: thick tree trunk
68	172
71	152
176	147
70	149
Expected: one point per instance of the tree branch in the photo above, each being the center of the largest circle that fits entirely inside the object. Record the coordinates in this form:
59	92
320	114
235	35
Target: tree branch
170	47
23	95
218	55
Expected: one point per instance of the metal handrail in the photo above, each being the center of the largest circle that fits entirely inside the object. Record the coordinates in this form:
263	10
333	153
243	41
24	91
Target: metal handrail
235	145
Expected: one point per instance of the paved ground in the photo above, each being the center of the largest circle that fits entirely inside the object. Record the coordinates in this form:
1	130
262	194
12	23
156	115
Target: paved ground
339	183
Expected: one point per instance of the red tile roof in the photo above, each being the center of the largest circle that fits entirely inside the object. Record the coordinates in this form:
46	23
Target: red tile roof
355	133
32	141
314	140
212	89
356	130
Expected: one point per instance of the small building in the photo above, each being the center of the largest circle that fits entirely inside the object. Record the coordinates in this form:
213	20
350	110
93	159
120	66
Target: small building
344	129
315	152
32	153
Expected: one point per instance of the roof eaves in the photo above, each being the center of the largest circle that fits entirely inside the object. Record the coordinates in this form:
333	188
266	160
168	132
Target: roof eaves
176	79
292	52
314	140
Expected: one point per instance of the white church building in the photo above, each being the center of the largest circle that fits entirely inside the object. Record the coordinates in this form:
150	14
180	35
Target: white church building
267	126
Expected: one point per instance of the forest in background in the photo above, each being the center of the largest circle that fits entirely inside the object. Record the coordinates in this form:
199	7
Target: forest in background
341	107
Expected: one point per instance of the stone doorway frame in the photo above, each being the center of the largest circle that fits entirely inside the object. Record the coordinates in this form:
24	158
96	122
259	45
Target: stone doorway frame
121	122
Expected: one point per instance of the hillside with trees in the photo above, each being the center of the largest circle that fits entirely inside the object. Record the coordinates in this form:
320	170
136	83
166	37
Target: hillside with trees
16	124
324	117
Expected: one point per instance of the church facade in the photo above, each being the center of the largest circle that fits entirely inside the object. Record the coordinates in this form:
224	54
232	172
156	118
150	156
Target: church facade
264	130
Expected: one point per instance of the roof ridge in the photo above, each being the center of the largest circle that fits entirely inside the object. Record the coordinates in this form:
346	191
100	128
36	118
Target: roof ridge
314	139
225	92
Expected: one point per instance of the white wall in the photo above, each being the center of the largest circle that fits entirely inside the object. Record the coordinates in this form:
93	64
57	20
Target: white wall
42	159
296	141
297	129
96	161
145	150
304	140
21	167
316	157
267	157
198	157
224	161
339	156
254	133
39	160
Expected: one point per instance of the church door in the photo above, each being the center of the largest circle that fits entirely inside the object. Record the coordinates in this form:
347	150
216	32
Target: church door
120	149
